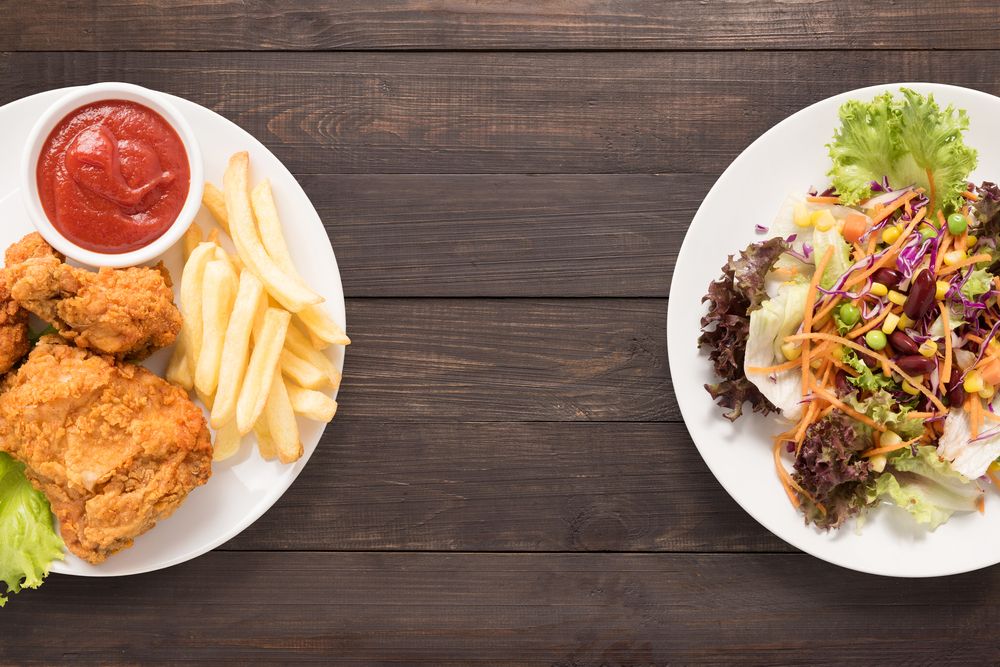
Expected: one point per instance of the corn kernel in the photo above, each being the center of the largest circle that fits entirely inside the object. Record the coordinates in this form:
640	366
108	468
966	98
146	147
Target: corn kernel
891	234
800	215
905	322
838	352
823	220
897	298
890	323
973	382
910	389
928	348
987	391
971	241
878	289
815	363
889	439
941	290
954	257
877	462
791	350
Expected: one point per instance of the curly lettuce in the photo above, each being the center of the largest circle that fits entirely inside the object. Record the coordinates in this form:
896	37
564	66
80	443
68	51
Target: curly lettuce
726	326
885	409
910	140
28	541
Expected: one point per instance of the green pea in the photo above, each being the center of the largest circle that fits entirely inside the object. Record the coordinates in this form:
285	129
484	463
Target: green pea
957	224
875	339
850	314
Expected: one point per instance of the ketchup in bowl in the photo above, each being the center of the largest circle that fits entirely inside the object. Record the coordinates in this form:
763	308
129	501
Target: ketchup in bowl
113	176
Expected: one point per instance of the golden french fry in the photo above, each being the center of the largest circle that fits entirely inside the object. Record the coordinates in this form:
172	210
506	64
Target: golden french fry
261	369
269	225
192	237
301	371
213	199
311	404
236	348
289	291
213	236
178	370
237	263
281	422
227	442
191	292
265	443
206	399
218	292
299	345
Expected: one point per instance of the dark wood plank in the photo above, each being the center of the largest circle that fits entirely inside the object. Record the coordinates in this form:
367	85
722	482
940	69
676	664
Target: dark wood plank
468	24
507	235
507	487
481	609
487	360
506	112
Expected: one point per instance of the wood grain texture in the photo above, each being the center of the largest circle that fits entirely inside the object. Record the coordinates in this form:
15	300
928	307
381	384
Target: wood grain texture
578	235
510	24
507	487
516	609
502	112
508	360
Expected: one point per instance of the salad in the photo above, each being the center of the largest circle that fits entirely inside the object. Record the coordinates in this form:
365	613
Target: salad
866	321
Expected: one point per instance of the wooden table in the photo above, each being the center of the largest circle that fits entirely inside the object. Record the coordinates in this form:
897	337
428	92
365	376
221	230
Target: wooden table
506	186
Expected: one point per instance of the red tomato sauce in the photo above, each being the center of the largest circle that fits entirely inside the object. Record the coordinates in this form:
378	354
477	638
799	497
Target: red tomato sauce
113	176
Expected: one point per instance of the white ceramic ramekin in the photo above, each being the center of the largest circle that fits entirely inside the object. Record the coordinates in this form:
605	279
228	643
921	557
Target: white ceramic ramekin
73	100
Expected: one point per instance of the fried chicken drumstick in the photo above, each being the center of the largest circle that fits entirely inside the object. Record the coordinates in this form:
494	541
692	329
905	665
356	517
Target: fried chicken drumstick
114	447
128	313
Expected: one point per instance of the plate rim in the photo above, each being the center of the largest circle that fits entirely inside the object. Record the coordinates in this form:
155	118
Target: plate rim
686	404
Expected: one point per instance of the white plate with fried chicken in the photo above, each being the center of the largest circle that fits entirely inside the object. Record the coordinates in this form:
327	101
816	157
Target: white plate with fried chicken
124	456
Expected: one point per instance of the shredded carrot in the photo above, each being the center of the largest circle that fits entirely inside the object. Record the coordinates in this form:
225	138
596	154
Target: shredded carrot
807	317
920	415
786	479
961	242
827	410
993	478
890	255
872	242
975	259
981	504
845	368
807	419
971	196
833	400
884	213
946	368
974	338
942	250
859	252
881	358
992	416
823	200
871	325
889	448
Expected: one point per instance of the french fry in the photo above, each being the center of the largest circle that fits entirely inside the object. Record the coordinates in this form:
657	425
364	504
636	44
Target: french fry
192	237
281	422
218	292
269	225
311	404
262	368
236	348
301	371
213	236
264	441
299	345
213	199
178	370
191	293
288	291
227	442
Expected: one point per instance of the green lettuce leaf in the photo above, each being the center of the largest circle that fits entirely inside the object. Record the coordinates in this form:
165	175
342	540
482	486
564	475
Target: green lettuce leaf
885	409
28	541
839	262
906	140
867	380
926	486
978	283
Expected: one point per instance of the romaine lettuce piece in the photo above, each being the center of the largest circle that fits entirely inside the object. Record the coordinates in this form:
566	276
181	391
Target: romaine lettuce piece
955	445
839	262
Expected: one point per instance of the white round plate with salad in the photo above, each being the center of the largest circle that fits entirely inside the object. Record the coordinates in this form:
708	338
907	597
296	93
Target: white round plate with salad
840	377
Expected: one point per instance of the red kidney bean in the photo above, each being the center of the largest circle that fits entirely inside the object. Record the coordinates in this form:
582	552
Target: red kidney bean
915	364
870	361
956	392
902	343
921	295
887	277
840	382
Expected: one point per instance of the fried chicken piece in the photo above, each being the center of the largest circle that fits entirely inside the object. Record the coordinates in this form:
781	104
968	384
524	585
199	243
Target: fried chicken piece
114	447
14	341
128	313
